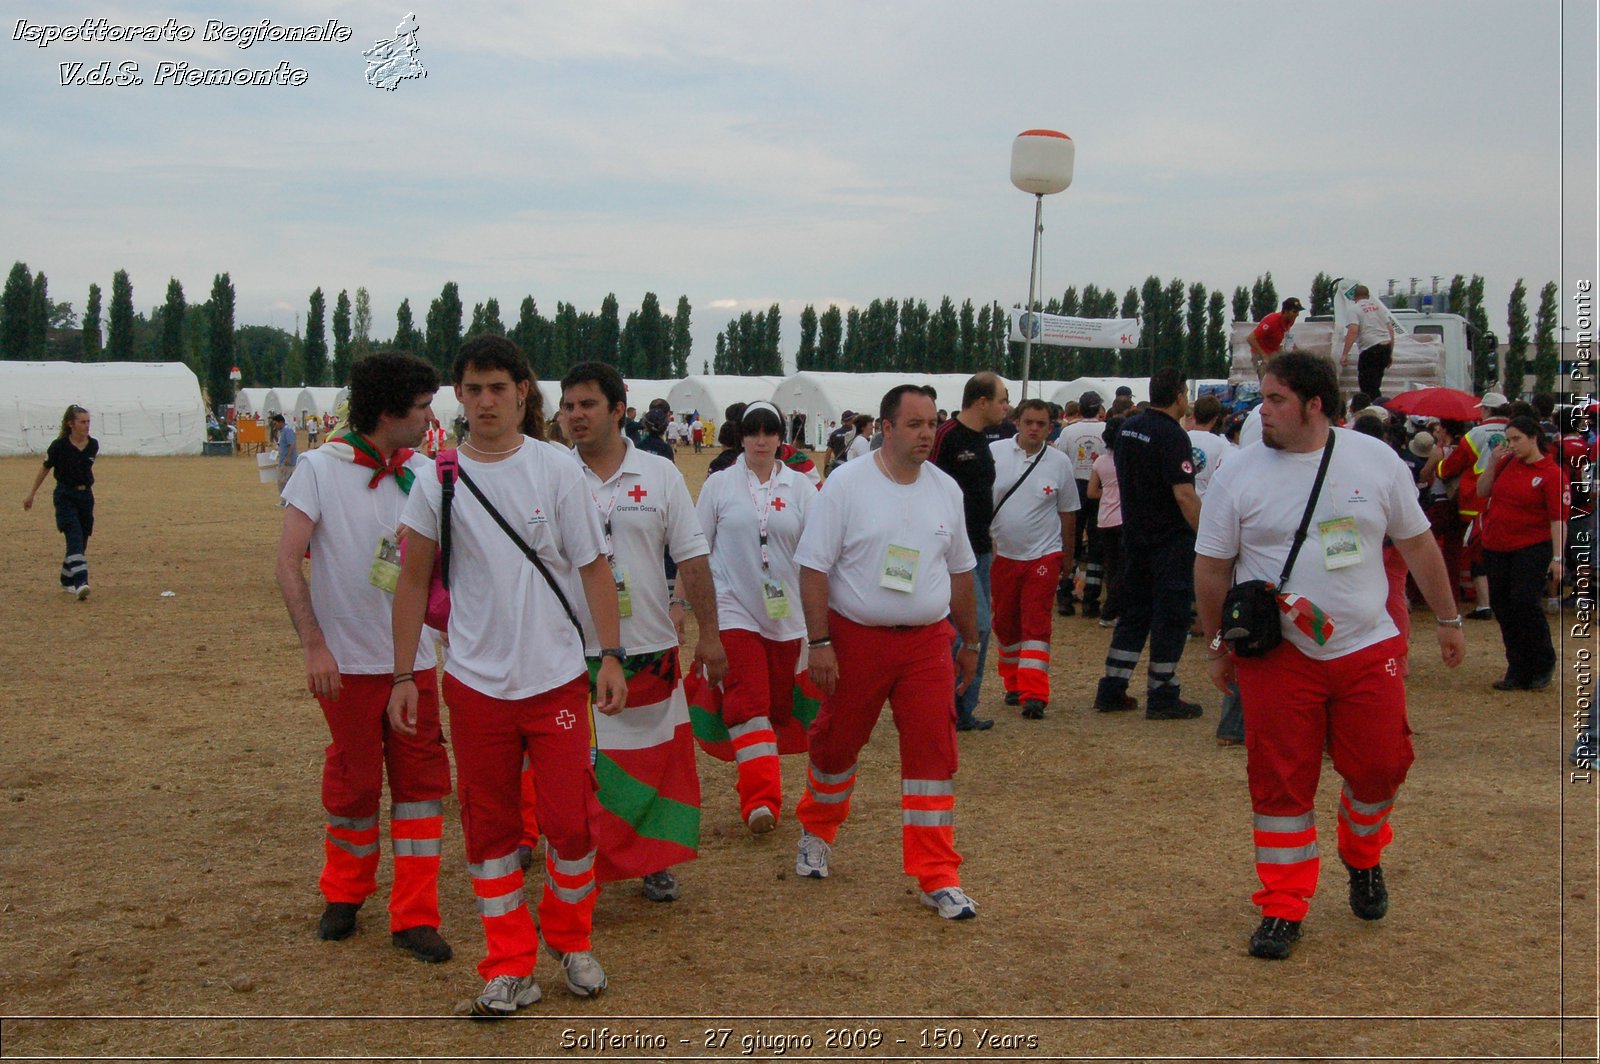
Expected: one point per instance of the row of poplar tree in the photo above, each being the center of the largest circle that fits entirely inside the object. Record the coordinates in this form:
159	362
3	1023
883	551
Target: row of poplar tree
1182	325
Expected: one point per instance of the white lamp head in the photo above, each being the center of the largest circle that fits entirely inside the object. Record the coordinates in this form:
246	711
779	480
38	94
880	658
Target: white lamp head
1041	161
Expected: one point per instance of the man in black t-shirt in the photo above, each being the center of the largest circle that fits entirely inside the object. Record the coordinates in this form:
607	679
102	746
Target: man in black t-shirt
72	456
961	448
1160	513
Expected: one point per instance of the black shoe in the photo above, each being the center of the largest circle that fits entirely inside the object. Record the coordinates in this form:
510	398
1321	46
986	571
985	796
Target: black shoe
338	921
1119	705
1066	609
1033	709
1482	613
1506	683
1369	898
1013	698
1541	681
975	724
1181	711
1091	609
1274	938
423	943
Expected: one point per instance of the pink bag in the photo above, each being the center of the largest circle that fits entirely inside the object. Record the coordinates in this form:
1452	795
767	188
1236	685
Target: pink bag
437	613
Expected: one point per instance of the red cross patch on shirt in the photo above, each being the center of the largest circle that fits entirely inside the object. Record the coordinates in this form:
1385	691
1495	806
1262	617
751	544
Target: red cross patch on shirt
1049	489
778	504
637	493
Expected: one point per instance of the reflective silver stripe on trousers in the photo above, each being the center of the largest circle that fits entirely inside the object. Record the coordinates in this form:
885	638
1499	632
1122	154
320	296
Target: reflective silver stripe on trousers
1302	822
1130	656
739	731
416	810
927	788
572	868
1119	674
1034	644
755	750
1285	854
501	904
1010	648
829	797
1362	829
495	867
527	762
927	818
351	848
831	777
571	895
1367	808
1034	663
416	847
353	823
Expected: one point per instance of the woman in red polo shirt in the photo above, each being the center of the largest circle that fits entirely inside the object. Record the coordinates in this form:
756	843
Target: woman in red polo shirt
1522	524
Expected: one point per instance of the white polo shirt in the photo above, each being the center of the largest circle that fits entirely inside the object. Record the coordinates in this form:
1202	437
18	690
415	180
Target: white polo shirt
859	514
1207	450
350	518
1028	526
650	512
1082	442
509	636
731	506
1254	506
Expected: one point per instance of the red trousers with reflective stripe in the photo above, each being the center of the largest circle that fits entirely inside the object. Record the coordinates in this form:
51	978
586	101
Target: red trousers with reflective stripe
1294	708
490	736
1022	595
914	671
758	693
352	786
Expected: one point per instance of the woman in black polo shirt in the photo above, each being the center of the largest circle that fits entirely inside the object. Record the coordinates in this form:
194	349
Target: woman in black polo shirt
72	456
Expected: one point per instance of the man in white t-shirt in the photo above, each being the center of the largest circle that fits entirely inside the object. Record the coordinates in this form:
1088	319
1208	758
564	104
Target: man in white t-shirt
885	559
1336	682
1372	334
646	515
1036	505
1082	441
344	503
1208	447
861	443
515	675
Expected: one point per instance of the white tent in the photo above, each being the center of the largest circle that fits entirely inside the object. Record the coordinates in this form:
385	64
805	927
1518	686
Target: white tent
325	401
446	407
293	403
143	408
642	390
1106	386
823	397
252	401
713	394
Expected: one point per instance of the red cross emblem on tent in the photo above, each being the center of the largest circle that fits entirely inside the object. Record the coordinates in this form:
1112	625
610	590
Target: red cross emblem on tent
566	719
778	504
637	493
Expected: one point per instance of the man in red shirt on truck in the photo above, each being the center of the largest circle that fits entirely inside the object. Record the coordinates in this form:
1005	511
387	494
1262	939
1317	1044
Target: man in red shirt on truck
1267	338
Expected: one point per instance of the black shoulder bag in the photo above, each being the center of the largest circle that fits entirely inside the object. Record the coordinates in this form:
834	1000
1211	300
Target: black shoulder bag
1250	609
532	555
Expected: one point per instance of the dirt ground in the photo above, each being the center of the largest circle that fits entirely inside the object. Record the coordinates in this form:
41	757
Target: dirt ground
160	848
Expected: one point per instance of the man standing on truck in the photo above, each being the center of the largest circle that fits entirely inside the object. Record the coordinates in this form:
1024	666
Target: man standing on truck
1267	339
1372	333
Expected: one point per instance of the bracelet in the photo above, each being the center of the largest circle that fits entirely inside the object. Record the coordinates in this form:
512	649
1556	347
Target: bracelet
1454	622
818	644
684	603
402	678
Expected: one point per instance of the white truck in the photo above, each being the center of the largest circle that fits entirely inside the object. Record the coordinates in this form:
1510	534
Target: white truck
1430	350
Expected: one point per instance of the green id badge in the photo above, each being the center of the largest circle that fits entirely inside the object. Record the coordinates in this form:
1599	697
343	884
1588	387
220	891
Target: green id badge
619	576
777	600
1341	542
385	572
900	568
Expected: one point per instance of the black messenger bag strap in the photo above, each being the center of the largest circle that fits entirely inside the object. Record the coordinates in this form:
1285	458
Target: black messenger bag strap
1013	489
532	555
1311	504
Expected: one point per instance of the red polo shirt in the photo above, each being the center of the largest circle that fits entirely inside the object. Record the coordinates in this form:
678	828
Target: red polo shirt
1523	502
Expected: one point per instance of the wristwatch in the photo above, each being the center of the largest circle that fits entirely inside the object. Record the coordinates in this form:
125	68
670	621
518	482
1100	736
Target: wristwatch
614	652
1454	622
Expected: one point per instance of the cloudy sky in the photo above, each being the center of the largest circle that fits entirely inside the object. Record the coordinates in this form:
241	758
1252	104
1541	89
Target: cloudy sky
749	153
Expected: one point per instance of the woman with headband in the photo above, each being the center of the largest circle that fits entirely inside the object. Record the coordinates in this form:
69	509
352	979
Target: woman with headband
729	437
753	513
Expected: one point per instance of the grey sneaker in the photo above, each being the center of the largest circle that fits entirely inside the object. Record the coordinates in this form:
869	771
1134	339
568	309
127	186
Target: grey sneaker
761	820
82	592
952	903
585	977
504	995
812	861
661	886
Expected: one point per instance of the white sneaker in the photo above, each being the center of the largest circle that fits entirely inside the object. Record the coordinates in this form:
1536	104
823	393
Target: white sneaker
812	861
761	820
504	995
585	977
82	593
952	903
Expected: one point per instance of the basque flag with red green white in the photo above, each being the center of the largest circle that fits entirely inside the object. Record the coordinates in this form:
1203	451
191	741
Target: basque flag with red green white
705	711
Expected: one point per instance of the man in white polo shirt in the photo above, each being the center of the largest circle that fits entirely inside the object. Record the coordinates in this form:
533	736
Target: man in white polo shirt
1036	505
885	560
515	676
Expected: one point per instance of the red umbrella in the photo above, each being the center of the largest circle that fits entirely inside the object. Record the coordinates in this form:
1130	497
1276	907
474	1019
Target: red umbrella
1448	404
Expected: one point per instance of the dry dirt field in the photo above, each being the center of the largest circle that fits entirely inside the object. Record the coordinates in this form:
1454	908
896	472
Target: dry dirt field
159	771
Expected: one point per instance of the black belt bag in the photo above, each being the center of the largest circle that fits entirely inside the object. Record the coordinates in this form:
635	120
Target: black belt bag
1250	621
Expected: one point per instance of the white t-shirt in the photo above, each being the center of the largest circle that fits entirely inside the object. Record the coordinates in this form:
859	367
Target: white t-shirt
1254	507
1207	451
1082	442
1374	321
732	523
859	447
859	514
355	617
509	636
1250	431
1028	526
650	512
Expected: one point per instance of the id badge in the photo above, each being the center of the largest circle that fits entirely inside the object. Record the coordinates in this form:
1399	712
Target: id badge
777	600
385	572
900	568
1341	542
619	576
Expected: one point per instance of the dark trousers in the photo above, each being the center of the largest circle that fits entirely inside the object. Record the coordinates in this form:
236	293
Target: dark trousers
1370	367
1111	563
1157	588
1516	587
1085	548
75	520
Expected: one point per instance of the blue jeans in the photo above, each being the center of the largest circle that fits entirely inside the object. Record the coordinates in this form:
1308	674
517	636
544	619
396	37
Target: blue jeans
967	701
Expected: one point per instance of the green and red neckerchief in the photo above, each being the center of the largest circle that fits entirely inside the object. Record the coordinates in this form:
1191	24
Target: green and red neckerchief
365	455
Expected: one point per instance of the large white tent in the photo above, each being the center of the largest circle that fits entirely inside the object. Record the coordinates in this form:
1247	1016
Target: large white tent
323	401
253	401
824	397
643	389
1106	386
289	401
142	408
712	394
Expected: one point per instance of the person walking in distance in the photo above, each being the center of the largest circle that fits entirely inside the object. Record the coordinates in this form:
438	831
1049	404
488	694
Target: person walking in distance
521	526
1082	441
884	561
288	453
344	504
1336	682
71	457
1036	503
